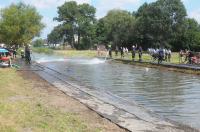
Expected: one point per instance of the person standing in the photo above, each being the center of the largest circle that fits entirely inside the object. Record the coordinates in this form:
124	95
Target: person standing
161	55
169	55
122	52
126	49
116	50
14	53
22	54
186	55
98	51
165	54
110	50
140	53
181	56
28	54
133	52
190	55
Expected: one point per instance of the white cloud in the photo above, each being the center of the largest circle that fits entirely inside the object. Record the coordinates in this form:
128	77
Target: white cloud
105	5
185	0
50	4
43	4
49	25
2	6
195	14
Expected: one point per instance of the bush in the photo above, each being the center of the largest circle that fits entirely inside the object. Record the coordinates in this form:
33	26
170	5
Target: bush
38	43
43	50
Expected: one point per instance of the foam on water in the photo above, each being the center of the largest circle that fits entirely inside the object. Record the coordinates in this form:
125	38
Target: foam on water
92	61
44	59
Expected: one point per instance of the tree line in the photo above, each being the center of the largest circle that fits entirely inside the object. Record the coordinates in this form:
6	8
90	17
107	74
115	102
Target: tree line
162	23
19	24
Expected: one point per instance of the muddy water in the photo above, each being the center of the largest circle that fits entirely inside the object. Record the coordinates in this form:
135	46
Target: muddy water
173	95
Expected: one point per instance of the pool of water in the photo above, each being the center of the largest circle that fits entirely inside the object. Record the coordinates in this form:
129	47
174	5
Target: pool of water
173	95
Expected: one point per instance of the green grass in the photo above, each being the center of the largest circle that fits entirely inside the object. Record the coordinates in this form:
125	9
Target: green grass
24	109
76	53
42	50
146	57
93	53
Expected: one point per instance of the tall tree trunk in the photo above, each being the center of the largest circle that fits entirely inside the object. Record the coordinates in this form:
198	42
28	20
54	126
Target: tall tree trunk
79	37
73	42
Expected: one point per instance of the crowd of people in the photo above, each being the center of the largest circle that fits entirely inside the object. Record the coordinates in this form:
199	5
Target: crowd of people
187	56
6	55
161	54
157	54
124	51
11	53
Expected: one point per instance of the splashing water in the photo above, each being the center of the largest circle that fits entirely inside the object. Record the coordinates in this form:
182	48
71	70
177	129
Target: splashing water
106	56
40	58
43	60
94	61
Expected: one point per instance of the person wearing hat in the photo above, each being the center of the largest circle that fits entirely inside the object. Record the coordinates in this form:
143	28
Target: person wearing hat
133	52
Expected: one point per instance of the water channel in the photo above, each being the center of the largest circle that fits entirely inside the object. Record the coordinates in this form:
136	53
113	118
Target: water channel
173	95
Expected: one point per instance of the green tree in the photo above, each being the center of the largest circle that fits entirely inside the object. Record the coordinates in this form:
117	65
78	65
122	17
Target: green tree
77	20
86	26
19	24
56	35
161	22
38	42
117	27
191	37
101	32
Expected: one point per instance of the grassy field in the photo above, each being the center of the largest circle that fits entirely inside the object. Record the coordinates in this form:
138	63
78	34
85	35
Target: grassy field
22	108
92	53
147	57
42	50
76	53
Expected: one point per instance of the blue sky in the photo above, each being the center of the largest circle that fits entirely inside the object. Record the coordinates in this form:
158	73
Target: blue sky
48	8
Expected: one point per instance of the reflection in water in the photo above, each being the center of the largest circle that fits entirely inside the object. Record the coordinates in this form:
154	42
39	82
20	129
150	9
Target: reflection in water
173	95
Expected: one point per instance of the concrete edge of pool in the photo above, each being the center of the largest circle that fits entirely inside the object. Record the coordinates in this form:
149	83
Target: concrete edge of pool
119	116
183	68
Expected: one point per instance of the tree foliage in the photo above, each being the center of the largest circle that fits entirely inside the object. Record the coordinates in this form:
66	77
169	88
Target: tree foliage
163	23
119	26
77	20
56	35
159	23
38	42
19	24
191	38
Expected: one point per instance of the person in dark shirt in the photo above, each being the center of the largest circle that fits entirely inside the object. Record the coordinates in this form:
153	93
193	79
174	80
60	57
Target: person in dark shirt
14	53
122	52
27	54
140	53
110	51
190	55
116	50
161	55
133	52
